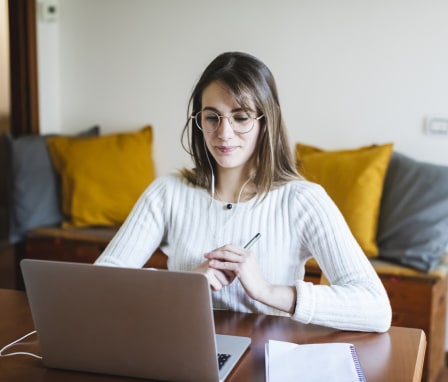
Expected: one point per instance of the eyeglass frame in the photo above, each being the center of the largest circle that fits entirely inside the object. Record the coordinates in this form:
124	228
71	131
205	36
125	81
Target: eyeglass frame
221	117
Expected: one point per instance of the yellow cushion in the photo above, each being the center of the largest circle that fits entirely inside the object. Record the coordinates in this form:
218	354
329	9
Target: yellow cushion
102	177
354	180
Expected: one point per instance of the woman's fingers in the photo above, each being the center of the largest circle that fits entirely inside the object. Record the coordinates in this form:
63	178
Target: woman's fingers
218	279
228	253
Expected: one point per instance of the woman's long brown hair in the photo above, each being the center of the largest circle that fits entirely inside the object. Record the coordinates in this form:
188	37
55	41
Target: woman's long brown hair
252	83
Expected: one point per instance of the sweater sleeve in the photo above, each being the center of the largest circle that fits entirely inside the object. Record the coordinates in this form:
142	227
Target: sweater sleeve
356	298
142	232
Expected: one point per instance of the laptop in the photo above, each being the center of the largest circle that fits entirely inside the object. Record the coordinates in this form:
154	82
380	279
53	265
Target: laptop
153	324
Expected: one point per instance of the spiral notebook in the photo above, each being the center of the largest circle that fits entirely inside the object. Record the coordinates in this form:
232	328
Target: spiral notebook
324	362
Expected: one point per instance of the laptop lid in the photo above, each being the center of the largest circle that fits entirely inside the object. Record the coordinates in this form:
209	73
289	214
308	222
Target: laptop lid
130	322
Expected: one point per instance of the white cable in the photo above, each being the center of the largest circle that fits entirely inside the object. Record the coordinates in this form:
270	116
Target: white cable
211	168
241	191
213	180
20	352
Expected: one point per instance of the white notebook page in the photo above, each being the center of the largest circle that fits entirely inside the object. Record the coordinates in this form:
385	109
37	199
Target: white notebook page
312	362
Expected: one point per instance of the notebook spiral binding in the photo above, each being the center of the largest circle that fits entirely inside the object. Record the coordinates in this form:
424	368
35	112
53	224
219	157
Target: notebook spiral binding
359	372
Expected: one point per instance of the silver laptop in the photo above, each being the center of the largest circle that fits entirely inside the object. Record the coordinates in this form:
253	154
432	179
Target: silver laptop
142	323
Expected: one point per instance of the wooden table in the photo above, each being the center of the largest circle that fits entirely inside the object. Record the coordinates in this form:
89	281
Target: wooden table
393	356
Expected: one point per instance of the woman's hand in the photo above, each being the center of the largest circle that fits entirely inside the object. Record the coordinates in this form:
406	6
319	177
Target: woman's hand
240	263
217	278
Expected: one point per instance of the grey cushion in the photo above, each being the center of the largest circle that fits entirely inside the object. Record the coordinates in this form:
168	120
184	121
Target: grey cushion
413	222
34	187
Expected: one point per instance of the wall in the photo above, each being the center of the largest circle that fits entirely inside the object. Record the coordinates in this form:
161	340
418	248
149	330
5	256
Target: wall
49	72
349	72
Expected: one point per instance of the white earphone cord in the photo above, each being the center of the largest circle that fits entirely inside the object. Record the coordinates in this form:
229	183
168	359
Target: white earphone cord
20	352
211	168
213	178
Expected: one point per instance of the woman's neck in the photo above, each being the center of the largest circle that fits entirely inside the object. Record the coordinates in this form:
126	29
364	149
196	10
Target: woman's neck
234	188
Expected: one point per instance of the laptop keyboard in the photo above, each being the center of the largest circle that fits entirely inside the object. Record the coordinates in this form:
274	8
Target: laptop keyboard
222	359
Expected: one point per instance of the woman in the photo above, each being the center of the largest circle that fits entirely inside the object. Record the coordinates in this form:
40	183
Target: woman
245	182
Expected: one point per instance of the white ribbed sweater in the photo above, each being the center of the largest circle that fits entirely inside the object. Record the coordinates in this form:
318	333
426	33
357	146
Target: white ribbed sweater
296	221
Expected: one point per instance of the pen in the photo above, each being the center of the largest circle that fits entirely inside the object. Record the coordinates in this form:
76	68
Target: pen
252	241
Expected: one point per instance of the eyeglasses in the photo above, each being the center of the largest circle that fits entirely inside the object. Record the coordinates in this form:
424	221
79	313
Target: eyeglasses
240	121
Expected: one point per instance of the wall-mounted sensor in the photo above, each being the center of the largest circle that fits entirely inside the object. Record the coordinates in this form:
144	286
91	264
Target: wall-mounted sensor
49	10
437	125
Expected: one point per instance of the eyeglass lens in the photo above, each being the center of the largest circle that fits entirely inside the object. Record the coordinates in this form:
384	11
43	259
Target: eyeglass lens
210	121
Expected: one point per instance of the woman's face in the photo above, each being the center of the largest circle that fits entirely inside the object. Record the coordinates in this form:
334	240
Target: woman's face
231	149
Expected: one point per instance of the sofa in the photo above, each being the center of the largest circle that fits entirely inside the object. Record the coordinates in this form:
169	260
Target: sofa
69	195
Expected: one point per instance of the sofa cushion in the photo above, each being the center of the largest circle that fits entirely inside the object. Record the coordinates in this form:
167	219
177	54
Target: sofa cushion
413	224
354	179
34	188
102	177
